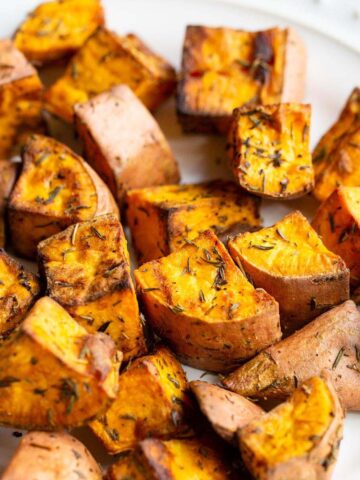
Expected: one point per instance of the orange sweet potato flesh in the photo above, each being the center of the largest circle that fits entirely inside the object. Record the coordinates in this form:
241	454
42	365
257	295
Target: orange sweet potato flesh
58	28
176	459
20	100
203	306
291	263
328	342
52	455
8	172
337	221
105	60
56	188
226	411
54	374
87	271
18	291
299	439
223	69
130	151
269	150
336	156
163	219
151	402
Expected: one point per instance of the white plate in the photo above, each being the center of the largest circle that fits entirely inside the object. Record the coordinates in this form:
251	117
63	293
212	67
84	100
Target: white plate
333	70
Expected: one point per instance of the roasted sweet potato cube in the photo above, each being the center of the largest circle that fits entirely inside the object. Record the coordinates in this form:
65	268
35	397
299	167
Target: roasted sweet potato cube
58	28
269	150
105	60
176	214
55	455
53	373
298	439
87	271
18	290
291	263
337	221
20	99
177	459
56	188
223	69
226	411
151	402
331	341
203	306
8	171
131	150
336	156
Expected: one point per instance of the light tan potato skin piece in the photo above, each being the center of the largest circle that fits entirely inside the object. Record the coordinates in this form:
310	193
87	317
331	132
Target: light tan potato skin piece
124	143
19	67
331	341
51	456
317	464
295	68
226	411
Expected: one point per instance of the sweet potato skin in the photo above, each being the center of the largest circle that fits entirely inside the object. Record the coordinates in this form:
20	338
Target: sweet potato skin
130	151
87	271
335	157
8	173
302	295
56	188
53	374
176	214
306	462
178	297
328	342
39	39
206	97
269	150
105	60
151	401
337	222
226	411
18	291
56	455
20	100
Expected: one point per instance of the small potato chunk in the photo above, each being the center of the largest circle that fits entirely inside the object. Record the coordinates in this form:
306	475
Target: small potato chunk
18	290
87	271
56	188
130	151
269	150
223	69
8	171
299	439
53	374
51	456
336	157
331	341
203	306
107	59
292	264
181	459
337	221
163	219
151	402
20	100
58	28
226	411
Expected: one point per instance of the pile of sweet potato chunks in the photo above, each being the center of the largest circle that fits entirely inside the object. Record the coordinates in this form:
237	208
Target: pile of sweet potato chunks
270	310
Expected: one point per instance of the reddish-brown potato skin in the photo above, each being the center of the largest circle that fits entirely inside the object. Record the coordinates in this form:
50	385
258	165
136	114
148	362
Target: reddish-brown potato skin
51	456
226	411
318	464
276	371
131	150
